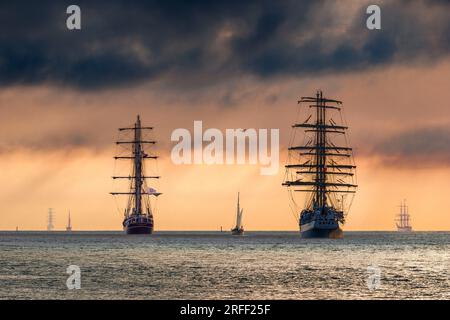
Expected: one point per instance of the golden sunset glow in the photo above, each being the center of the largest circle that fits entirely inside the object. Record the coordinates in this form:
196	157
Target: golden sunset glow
57	148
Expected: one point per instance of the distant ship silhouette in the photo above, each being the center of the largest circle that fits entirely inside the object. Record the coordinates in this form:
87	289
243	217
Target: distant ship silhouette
69	224
403	220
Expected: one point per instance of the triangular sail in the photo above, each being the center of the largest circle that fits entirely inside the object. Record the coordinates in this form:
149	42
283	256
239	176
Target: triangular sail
239	219
239	213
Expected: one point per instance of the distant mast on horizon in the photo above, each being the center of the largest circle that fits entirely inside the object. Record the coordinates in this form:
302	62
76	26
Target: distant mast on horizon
50	220
69	224
403	220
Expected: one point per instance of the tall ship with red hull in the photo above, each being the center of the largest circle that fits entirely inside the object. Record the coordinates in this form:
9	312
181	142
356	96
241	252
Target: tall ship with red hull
138	213
320	171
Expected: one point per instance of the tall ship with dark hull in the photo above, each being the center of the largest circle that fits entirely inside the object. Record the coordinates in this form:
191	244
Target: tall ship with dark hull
138	213
320	171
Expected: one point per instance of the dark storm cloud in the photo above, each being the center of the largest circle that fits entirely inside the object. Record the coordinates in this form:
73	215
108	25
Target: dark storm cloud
422	147
201	42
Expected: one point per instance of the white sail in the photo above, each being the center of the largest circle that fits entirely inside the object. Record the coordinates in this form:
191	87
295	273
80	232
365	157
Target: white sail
239	219
239	212
238	229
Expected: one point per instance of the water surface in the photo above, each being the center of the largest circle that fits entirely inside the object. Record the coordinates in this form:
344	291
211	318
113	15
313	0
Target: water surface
213	265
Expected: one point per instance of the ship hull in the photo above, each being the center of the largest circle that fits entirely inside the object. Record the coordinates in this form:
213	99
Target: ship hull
315	225
138	229
138	225
322	233
237	232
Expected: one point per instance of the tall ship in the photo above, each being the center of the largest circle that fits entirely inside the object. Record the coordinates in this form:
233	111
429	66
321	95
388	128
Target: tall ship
403	220
69	224
320	171
138	212
238	230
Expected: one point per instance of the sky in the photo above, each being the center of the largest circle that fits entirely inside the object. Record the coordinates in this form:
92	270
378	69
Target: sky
231	64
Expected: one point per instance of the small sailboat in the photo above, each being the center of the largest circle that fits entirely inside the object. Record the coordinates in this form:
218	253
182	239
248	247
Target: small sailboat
69	224
403	219
238	230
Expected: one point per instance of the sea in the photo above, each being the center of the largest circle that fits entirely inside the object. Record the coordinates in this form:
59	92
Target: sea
216	265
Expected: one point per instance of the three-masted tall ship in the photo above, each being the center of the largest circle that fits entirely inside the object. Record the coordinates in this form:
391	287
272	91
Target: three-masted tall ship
403	220
320	168
138	213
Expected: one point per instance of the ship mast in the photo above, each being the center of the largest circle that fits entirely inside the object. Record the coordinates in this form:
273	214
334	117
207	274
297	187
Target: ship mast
403	217
69	223
137	151
138	177
326	168
50	220
320	151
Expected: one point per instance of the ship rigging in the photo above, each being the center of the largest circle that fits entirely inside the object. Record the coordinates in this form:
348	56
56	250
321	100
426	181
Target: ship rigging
321	167
138	213
403	220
